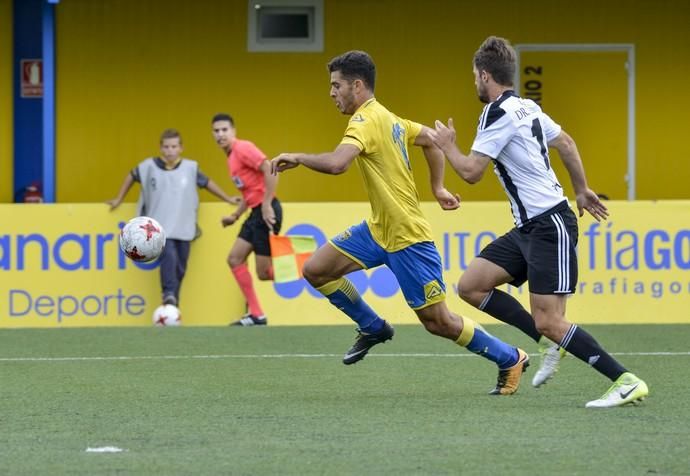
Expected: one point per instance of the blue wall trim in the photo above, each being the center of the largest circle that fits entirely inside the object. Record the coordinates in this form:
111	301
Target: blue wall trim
34	118
48	102
28	131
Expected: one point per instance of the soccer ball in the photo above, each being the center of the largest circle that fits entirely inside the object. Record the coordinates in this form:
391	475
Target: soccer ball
167	315
142	239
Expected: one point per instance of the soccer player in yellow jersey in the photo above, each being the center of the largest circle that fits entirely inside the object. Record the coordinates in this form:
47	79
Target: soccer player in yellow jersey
396	234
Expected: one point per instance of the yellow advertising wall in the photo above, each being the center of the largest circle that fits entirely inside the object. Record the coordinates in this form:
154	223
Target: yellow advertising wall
127	69
6	130
61	267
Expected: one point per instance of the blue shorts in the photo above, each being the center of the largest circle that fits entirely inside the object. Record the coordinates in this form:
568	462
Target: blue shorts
417	268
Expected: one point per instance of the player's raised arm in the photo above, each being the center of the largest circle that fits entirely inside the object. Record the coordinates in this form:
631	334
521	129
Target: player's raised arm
436	163
469	167
124	188
333	163
585	198
229	220
215	189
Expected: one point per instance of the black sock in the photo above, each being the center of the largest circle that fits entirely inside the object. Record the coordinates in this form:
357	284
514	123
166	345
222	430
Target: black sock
506	308
583	346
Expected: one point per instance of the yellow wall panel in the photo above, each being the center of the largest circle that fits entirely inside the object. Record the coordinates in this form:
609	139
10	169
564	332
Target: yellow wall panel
592	111
127	69
6	101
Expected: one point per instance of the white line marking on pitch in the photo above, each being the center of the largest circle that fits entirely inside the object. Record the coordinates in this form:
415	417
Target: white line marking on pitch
105	449
276	356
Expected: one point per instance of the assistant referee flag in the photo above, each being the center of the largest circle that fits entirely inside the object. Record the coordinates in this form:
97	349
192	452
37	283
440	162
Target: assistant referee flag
288	254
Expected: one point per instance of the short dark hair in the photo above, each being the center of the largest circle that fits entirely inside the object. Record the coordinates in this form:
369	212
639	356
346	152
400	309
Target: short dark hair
170	134
222	116
497	57
355	65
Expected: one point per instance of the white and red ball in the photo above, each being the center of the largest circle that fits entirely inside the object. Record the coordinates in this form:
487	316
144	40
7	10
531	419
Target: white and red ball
142	239
167	315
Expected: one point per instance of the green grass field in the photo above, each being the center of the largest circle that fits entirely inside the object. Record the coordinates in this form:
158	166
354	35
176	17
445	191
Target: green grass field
277	400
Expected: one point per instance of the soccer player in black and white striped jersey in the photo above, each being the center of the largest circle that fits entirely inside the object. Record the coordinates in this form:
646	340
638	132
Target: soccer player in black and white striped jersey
514	134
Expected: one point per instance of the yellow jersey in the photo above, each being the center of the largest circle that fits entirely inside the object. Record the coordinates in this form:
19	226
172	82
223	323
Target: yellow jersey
383	138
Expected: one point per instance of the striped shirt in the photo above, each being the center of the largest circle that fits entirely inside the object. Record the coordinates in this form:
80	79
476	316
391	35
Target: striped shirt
515	133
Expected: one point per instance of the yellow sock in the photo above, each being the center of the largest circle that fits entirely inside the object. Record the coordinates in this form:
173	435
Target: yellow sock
467	332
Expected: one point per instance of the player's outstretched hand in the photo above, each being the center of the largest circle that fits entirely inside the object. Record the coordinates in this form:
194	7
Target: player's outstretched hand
443	136
114	203
283	162
235	200
228	220
590	201
447	200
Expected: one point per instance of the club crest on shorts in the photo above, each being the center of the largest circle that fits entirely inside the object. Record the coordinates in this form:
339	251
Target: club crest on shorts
343	235
432	290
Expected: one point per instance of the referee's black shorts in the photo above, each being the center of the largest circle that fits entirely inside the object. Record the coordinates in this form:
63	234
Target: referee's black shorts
255	231
541	252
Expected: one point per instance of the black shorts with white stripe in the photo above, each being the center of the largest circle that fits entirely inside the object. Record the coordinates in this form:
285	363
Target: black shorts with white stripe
541	252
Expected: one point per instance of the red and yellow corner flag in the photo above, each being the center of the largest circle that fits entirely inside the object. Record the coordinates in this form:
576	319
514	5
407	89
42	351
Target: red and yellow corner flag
288	254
